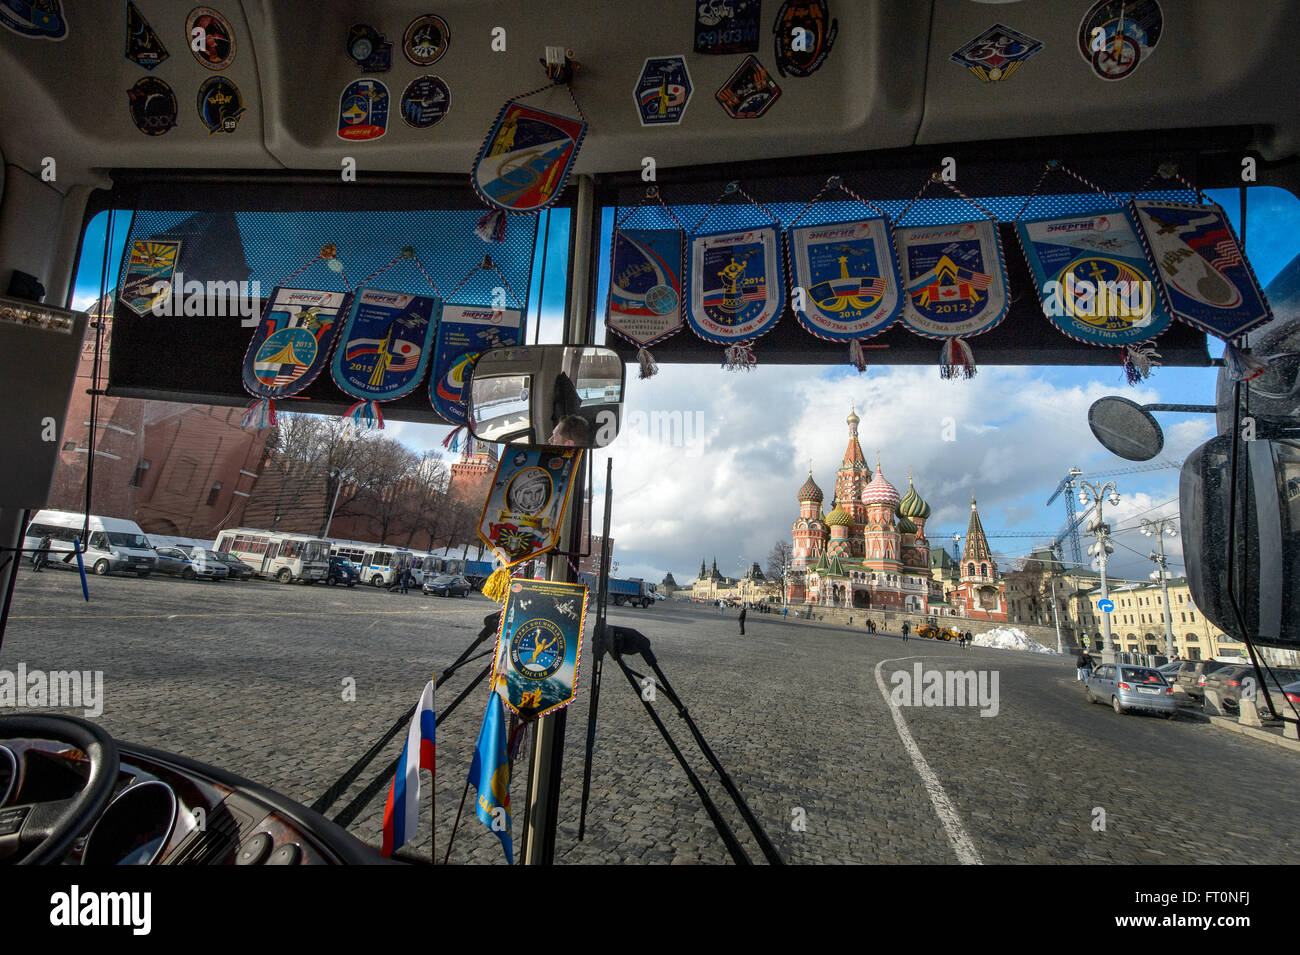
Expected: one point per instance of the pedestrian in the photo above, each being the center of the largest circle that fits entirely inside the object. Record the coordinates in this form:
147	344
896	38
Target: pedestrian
1084	664
42	555
741	618
969	637
905	629
406	578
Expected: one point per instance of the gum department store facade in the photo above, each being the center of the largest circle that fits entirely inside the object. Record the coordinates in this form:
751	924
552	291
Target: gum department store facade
871	552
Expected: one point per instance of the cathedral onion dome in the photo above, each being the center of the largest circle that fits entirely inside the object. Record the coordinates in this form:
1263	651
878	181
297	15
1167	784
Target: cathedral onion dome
880	491
810	491
838	517
905	526
912	505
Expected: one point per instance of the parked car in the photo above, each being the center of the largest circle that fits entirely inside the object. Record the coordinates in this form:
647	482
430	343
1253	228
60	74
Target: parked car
447	585
238	569
1131	688
342	571
1292	692
1170	670
1230	681
1192	675
177	563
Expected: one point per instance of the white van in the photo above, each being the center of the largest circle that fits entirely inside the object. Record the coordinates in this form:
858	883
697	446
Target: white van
114	544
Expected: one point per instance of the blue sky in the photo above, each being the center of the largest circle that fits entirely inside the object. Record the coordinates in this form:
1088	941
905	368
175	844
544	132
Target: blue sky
734	477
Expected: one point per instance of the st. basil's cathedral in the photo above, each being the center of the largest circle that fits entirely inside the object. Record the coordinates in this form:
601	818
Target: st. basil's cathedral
871	552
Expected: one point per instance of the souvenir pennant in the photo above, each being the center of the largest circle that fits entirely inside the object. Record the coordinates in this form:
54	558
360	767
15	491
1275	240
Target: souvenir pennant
464	333
848	274
736	287
143	47
527	501
1093	278
525	162
539	646
383	349
955	276
645	287
148	277
804	34
293	340
1204	277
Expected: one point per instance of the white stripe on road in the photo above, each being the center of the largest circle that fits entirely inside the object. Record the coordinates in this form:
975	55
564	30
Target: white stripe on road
961	843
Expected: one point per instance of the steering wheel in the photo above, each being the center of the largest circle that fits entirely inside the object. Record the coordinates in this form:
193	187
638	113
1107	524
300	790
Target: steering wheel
59	832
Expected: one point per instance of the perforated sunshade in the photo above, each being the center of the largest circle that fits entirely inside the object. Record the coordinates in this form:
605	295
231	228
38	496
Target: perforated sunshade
264	232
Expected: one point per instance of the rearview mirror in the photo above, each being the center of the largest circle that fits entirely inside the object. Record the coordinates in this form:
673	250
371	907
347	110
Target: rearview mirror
562	395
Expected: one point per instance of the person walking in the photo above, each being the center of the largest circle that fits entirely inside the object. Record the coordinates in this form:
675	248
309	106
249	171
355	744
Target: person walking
905	629
42	555
969	637
741	618
1084	664
406	578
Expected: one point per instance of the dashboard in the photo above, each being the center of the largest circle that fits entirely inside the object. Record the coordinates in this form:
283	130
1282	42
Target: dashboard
165	810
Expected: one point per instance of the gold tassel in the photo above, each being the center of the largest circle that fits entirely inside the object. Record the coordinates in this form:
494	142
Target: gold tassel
497	587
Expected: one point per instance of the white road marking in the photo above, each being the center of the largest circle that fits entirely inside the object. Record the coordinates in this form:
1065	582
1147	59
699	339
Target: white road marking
958	838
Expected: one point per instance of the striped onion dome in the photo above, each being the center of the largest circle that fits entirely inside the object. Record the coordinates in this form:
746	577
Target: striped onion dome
905	526
912	505
810	491
880	491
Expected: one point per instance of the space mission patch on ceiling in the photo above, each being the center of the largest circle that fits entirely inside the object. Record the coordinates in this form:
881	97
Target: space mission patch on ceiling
996	53
363	110
143	47
368	49
35	19
153	106
425	102
211	38
662	90
727	26
803	36
749	92
426	40
1118	36
220	105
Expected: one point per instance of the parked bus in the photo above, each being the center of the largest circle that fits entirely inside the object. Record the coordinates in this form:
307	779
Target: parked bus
380	565
114	544
286	557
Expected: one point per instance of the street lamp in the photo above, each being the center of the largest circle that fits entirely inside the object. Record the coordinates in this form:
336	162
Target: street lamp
1099	494
1160	529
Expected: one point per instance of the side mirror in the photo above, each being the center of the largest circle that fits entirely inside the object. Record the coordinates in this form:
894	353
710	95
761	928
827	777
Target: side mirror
562	395
1126	428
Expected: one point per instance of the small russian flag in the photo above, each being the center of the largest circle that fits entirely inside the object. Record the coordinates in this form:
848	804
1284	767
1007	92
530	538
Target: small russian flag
402	811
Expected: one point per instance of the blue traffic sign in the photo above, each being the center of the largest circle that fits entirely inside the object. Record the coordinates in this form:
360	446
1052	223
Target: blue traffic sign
1106	606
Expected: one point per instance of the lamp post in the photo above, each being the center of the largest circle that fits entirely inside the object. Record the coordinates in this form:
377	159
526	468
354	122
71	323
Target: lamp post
1160	529
1099	494
338	486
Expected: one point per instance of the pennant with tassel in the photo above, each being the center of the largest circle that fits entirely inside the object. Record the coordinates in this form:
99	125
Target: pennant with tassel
857	358
260	414
1241	365
956	360
646	269
497	587
739	357
1138	360
365	416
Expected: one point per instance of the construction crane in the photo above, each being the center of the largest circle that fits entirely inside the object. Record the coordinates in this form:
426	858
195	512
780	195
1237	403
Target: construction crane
1072	521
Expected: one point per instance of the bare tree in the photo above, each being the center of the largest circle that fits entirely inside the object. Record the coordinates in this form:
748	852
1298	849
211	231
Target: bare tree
384	474
780	556
428	502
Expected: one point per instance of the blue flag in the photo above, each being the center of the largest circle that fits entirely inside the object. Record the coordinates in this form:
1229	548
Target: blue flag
489	774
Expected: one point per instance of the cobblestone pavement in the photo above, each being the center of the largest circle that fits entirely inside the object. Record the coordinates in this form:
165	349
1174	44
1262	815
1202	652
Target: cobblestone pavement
250	677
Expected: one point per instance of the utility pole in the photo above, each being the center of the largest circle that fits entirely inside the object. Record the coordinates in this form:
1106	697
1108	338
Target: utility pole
338	486
1099	494
1160	529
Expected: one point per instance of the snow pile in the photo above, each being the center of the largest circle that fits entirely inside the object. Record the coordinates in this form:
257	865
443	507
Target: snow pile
1009	638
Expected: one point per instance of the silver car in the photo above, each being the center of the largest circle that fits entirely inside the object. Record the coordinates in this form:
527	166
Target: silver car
1128	687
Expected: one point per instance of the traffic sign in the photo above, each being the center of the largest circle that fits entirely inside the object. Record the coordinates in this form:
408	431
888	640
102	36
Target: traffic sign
1106	606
